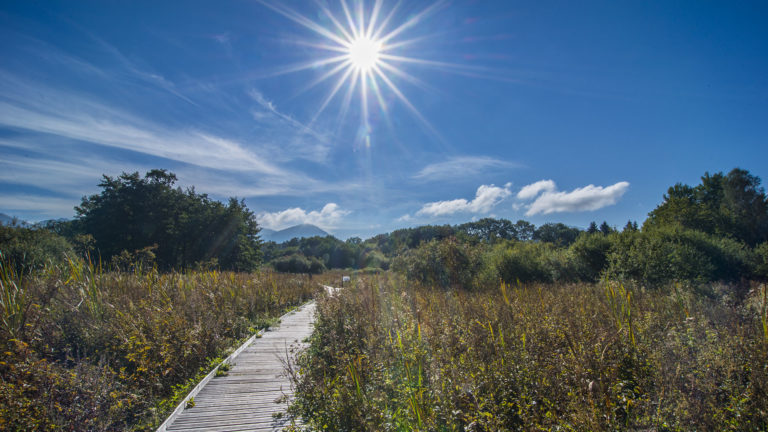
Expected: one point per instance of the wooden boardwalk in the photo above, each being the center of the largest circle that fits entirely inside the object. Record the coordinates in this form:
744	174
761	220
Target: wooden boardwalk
255	394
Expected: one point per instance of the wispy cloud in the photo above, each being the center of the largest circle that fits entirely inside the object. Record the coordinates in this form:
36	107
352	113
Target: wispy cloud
328	217
466	166
550	200
36	108
72	177
38	206
306	144
486	198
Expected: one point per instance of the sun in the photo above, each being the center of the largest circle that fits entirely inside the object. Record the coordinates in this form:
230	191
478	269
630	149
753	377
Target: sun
364	53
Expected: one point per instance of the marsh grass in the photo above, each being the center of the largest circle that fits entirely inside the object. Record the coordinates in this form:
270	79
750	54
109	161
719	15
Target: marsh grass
89	349
391	355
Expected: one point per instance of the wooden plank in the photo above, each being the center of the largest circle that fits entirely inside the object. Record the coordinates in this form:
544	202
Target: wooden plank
256	393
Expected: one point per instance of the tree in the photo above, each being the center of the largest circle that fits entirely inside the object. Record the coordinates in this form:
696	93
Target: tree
524	230
605	229
489	230
556	233
132	213
592	228
732	205
630	226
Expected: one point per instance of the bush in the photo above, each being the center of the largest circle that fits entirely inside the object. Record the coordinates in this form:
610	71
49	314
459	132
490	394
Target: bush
297	263
532	262
662	255
28	249
590	253
390	355
446	263
761	257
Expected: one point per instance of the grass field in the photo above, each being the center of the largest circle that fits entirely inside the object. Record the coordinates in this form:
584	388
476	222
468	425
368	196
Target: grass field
86	349
394	356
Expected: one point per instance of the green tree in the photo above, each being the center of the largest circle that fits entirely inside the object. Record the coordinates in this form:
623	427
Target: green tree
489	230
524	230
732	205
556	233
592	228
606	229
132	213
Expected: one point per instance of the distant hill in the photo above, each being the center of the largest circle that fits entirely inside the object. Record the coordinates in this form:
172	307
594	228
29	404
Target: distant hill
7	220
303	230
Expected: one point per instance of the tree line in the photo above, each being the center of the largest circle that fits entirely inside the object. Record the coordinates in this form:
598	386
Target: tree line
717	229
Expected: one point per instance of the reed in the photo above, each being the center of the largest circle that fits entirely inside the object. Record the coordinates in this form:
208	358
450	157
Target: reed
535	357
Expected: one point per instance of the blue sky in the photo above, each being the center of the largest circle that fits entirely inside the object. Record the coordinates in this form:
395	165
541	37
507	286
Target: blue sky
540	110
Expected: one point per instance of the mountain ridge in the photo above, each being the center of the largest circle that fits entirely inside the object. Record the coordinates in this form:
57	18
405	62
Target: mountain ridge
296	231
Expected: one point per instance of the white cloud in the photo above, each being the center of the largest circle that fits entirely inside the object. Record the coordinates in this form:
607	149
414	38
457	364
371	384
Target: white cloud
530	191
486	197
404	218
43	110
464	165
327	218
550	200
37	207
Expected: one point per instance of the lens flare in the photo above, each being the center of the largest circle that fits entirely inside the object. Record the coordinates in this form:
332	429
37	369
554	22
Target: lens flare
364	53
363	43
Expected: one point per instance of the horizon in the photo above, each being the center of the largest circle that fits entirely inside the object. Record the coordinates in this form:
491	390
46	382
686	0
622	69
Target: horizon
362	118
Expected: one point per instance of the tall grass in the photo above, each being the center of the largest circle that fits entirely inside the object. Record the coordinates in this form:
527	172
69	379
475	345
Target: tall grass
88	349
391	355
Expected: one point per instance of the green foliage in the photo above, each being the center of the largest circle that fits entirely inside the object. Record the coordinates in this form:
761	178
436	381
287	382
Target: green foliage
732	205
590	252
761	257
667	254
298	263
556	233
29	249
531	262
389	355
132	213
447	263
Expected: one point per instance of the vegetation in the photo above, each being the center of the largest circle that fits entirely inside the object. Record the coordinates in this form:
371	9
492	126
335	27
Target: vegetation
86	349
487	325
181	228
27	250
483	329
388	354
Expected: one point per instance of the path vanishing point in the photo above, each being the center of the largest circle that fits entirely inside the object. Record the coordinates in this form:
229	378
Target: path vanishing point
256	392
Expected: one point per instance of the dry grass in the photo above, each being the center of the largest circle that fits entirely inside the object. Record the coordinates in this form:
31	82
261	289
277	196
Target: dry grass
390	355
91	350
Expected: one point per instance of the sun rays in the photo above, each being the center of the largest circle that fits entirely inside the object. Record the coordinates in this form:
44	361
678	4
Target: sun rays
357	51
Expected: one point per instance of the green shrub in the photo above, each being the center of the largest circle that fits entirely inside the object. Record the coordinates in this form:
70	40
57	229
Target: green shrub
442	263
662	255
590	253
761	257
532	262
298	263
28	249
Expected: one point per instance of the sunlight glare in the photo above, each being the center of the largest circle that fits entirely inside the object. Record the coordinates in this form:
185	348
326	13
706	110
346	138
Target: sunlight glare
366	46
364	53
